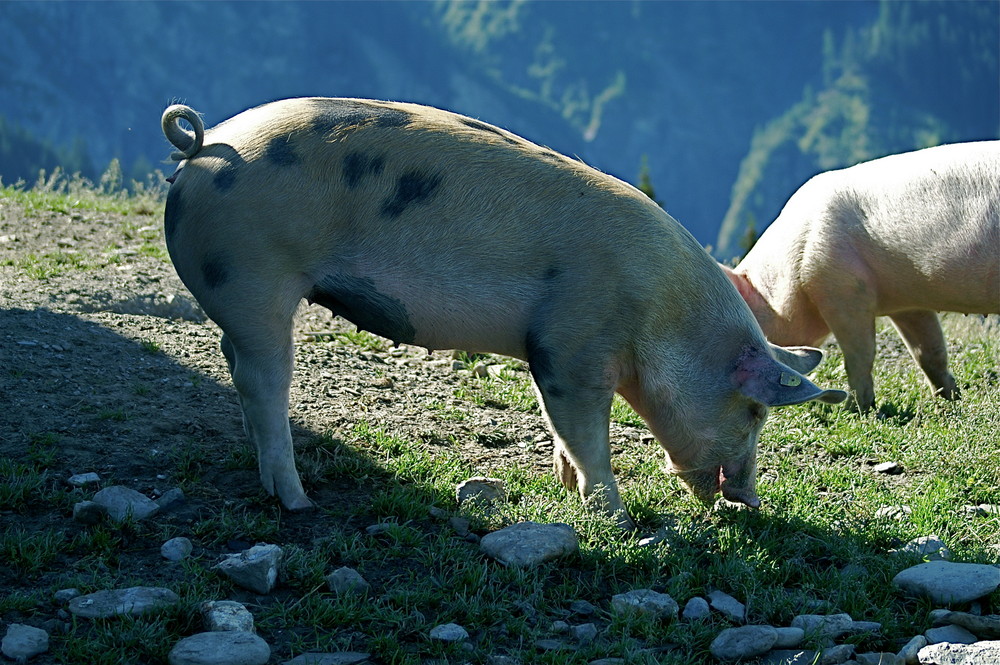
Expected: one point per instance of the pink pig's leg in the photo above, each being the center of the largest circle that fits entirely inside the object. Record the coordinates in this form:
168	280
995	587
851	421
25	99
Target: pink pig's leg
921	331
579	415
855	332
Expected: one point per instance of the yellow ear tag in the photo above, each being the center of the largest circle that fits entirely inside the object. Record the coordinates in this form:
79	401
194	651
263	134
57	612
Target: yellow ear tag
790	380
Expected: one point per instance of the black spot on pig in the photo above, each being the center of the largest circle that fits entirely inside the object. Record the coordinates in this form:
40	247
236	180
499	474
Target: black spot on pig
280	152
215	272
413	187
173	211
357	300
483	127
344	114
357	166
553	272
225	177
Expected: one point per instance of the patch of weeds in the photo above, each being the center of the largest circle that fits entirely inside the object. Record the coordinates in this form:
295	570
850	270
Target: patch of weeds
28	553
42	449
116	415
149	345
361	339
154	250
498	393
188	460
65	193
20	484
142	389
447	412
145	639
51	264
19	601
252	524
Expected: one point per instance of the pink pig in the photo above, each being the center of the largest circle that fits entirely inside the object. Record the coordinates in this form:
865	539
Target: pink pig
904	236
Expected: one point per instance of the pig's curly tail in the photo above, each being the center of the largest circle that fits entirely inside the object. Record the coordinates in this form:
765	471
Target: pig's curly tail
187	142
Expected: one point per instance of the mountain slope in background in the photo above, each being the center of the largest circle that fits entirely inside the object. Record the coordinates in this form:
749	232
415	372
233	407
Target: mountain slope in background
914	78
693	88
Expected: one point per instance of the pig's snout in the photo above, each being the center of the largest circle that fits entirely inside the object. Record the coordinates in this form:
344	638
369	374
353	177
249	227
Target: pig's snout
736	482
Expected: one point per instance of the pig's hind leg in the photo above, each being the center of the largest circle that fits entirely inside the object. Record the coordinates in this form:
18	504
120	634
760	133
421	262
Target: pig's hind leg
921	331
257	344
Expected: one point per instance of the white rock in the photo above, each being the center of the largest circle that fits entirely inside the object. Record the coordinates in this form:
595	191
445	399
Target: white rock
929	547
346	580
23	642
696	609
645	602
81	479
726	604
908	654
985	627
176	549
743	643
220	648
89	512
66	595
950	633
255	569
823	625
529	544
585	633
981	653
897	513
132	601
888	467
481	490
948	582
789	638
123	502
449	632
170	497
221	615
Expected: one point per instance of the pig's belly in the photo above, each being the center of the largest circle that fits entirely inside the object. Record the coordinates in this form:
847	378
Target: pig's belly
436	314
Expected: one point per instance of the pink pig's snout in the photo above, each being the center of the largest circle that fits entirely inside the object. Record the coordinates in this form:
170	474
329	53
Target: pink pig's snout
737	483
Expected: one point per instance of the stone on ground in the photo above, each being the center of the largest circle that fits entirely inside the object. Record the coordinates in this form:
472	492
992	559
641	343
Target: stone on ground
529	544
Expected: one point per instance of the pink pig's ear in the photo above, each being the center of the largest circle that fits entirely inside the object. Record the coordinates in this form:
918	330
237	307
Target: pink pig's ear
765	380
803	359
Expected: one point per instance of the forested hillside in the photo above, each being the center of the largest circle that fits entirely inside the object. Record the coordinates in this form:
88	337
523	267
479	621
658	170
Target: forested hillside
731	104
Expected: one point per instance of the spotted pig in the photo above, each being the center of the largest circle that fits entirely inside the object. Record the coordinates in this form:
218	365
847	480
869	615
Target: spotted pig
438	230
904	236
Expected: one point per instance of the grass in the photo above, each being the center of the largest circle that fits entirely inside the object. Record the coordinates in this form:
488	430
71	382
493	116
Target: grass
815	546
63	193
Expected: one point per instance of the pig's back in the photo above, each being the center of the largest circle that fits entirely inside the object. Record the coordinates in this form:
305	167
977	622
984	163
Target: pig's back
927	224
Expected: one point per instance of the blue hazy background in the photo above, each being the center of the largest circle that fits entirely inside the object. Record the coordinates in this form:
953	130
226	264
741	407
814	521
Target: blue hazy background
721	109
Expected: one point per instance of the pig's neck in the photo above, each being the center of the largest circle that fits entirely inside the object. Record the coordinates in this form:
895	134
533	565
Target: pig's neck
786	315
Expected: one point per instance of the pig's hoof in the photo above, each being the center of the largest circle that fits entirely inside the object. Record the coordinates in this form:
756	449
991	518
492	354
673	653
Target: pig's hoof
564	470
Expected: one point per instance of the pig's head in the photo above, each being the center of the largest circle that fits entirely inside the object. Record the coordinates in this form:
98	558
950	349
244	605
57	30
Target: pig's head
720	451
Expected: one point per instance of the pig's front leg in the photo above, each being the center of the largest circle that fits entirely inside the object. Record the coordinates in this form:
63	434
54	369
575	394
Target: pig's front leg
580	418
854	328
921	330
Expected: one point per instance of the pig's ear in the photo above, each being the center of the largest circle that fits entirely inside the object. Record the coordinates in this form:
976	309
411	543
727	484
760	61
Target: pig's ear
803	359
764	380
